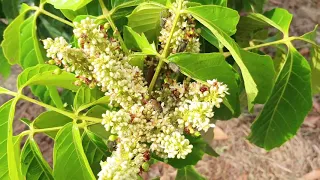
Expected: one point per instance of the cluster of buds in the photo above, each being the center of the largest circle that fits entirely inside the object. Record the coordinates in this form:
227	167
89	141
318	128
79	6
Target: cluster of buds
146	122
185	36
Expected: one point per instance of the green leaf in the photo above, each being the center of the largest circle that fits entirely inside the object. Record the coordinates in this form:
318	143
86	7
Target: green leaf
9	159
247	5
146	19
50	119
278	18
69	4
71	15
203	67
95	149
188	173
11	38
5	68
140	41
87	97
10	8
125	3
226	19
98	129
70	161
208	2
248	29
43	74
315	59
207	35
30	53
137	60
257	85
33	165
290	102
4	115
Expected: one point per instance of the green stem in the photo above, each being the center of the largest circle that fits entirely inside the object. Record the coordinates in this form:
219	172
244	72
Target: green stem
53	16
166	51
107	15
63	112
105	11
282	41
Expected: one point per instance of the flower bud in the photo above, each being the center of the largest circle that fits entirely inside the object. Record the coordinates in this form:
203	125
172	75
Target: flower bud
52	62
145	166
113	138
57	71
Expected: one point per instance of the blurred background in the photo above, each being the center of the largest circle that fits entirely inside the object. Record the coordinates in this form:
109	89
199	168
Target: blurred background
297	159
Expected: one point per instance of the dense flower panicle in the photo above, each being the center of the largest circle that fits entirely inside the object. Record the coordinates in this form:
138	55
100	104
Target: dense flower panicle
185	36
146	122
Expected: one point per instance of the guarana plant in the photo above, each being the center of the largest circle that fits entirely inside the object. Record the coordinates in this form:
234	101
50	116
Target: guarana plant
141	81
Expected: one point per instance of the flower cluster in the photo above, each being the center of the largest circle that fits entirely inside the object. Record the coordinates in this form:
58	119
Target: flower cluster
185	36
146	122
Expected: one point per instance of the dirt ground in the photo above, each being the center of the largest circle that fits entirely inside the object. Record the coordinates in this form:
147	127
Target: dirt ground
239	160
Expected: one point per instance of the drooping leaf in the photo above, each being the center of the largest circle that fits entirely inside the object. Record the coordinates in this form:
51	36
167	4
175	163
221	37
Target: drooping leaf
10	155
134	40
11	38
33	165
95	149
69	4
51	119
210	66
146	19
87	97
70	161
257	85
43	74
288	105
188	173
